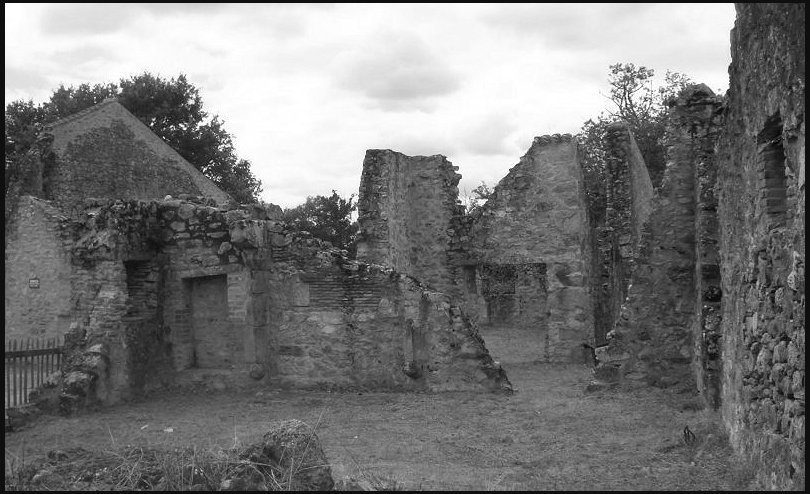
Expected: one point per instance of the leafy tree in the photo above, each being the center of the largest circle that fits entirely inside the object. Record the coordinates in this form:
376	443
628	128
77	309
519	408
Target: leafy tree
173	109
22	127
641	104
328	218
67	101
477	198
594	167
644	108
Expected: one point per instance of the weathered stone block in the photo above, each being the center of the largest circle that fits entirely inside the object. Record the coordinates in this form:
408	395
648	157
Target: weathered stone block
224	248
186	211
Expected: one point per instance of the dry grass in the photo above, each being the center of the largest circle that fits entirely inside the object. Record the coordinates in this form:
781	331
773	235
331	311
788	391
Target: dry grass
549	435
150	468
138	468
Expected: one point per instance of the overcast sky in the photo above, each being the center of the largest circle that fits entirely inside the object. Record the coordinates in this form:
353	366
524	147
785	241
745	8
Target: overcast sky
306	89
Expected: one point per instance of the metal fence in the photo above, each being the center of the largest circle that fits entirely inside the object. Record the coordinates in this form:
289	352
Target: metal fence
28	363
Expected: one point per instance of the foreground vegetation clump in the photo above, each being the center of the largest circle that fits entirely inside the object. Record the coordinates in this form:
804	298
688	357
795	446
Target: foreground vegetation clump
146	468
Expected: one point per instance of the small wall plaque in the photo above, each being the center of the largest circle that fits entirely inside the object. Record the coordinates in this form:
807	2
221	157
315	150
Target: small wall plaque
33	283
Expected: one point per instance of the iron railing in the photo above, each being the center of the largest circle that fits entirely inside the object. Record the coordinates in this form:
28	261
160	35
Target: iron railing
28	363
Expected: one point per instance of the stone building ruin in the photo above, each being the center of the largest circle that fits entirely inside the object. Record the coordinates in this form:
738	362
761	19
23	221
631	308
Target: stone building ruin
231	297
521	264
103	151
156	278
725	254
698	285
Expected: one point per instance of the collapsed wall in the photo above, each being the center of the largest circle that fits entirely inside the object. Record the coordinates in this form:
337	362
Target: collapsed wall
652	337
761	172
174	291
532	248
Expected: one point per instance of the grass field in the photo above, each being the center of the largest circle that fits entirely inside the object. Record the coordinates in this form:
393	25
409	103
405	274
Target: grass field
548	435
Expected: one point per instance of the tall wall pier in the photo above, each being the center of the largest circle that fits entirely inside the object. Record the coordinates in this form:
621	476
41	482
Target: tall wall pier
696	117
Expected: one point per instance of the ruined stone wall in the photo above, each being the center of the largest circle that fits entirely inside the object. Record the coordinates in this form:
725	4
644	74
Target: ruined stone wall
115	346
533	248
149	352
106	152
37	272
141	269
206	287
369	327
630	191
523	261
629	194
694	124
100	371
653	335
170	292
761	158
406	209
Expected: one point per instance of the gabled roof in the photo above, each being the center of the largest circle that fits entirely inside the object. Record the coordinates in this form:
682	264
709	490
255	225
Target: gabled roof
104	114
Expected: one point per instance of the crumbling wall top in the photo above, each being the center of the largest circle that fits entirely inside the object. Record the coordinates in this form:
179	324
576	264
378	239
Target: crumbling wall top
552	139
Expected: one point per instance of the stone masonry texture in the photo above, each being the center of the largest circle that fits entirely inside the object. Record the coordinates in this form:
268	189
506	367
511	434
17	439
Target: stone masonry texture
761	208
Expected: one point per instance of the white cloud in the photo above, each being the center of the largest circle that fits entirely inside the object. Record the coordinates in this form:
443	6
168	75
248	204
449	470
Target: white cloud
306	89
488	135
24	82
397	71
88	18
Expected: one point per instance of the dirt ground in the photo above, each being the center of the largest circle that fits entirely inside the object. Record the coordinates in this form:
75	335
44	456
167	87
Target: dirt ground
549	435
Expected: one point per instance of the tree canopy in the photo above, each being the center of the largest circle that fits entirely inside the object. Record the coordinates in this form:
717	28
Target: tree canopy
173	109
328	218
643	105
475	200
